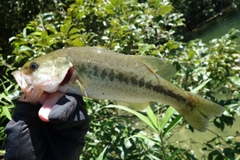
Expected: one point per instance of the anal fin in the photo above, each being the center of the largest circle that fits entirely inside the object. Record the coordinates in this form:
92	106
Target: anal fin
136	106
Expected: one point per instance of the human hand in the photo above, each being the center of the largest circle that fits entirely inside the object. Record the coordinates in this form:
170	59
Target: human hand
47	100
62	137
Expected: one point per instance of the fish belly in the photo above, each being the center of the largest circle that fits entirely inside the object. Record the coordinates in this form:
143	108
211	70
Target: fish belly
103	75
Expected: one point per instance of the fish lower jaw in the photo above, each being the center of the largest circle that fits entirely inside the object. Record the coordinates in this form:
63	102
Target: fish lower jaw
32	94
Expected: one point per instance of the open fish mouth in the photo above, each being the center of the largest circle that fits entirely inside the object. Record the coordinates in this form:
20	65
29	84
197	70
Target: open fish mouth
48	85
33	89
31	93
24	83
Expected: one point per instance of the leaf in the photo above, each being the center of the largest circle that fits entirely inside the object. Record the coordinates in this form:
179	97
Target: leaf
139	115
2	152
81	15
101	156
74	36
191	54
48	16
25	49
44	34
145	138
36	34
164	9
166	118
11	39
229	153
173	45
6	112
235	80
78	42
73	31
152	117
110	9
115	2
195	90
172	125
174	154
24	32
51	28
65	28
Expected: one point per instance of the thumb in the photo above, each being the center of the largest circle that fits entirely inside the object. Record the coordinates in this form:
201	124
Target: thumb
48	100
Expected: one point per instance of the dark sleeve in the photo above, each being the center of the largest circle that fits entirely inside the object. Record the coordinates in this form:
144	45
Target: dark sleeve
68	127
24	123
62	138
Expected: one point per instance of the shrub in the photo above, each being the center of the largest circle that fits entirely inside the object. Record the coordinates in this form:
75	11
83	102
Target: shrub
131	27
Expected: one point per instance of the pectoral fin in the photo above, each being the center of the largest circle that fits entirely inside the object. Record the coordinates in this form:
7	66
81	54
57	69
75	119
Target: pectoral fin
81	88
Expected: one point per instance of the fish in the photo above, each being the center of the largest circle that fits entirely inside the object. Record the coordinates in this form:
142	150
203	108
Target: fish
99	73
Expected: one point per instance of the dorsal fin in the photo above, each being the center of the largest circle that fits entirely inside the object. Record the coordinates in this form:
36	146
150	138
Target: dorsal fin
158	66
154	63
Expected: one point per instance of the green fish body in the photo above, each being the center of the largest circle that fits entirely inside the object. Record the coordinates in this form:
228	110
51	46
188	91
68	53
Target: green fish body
102	74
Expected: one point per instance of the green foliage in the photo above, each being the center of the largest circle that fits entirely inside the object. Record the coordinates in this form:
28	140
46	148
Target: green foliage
154	144
15	14
203	11
10	92
217	62
131	27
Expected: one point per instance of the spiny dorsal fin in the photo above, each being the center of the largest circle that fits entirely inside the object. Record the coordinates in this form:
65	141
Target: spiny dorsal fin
154	63
158	66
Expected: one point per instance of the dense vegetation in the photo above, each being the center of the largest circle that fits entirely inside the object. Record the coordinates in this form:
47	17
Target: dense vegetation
130	27
203	11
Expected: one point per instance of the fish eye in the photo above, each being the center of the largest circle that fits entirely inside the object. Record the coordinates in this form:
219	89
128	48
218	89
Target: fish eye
33	66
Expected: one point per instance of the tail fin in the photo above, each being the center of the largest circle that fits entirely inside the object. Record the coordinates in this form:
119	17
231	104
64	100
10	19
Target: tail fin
204	110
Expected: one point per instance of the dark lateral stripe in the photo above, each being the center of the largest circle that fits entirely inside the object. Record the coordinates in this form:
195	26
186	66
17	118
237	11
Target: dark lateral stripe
112	75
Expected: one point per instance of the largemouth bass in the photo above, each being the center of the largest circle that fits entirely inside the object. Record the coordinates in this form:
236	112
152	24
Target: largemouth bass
103	74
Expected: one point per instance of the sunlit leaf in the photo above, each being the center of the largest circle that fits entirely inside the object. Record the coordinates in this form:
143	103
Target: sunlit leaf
195	90
51	27
115	2
170	111
25	49
6	112
101	156
65	28
172	125
78	42
144	119
152	117
73	31
44	34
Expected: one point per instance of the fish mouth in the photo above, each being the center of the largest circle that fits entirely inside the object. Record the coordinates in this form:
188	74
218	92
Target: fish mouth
22	81
34	89
31	93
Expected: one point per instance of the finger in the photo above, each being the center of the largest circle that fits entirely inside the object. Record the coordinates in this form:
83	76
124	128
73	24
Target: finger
63	109
43	97
48	103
